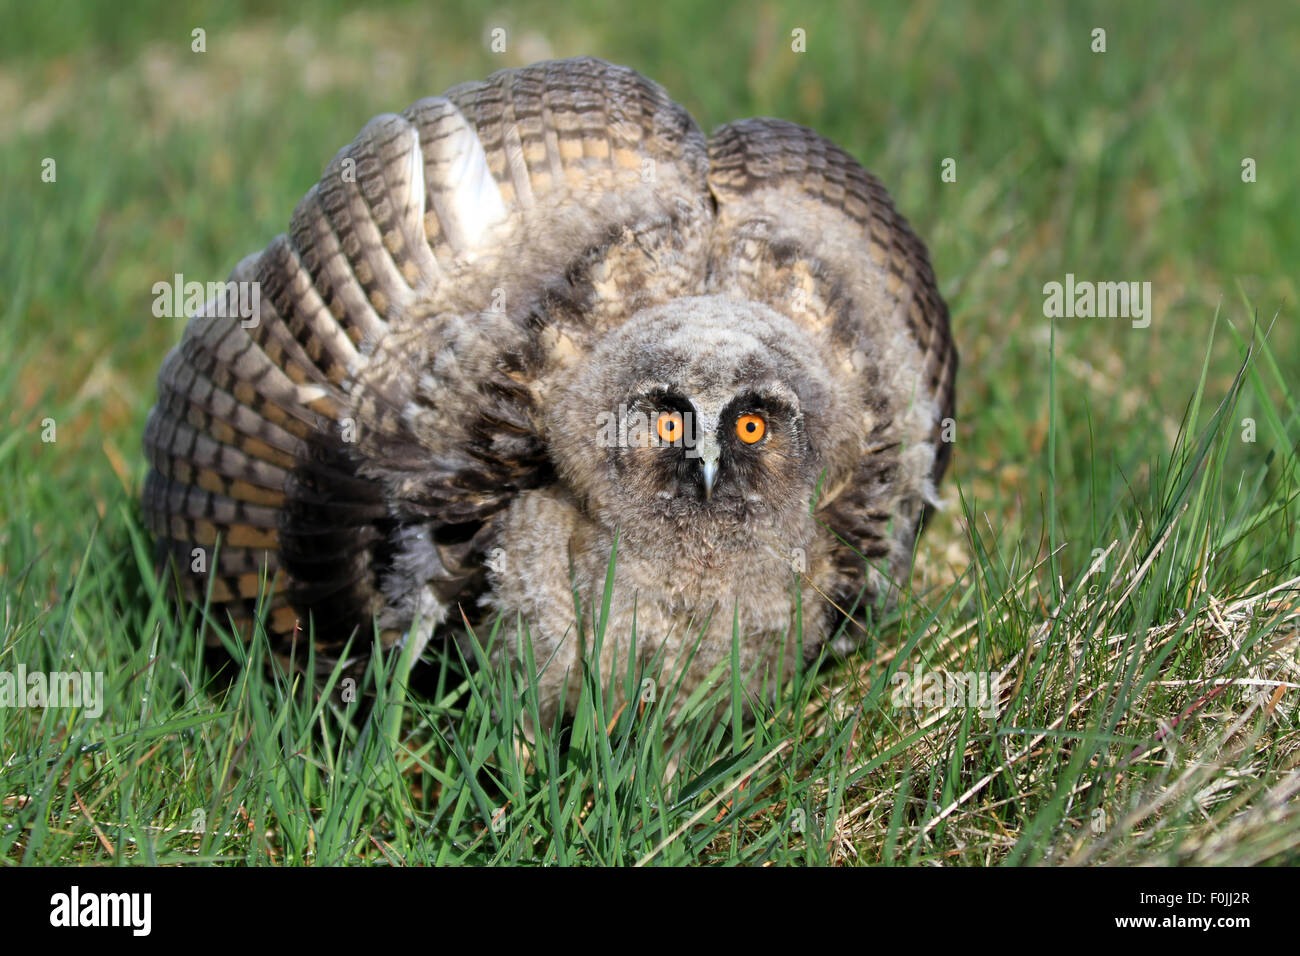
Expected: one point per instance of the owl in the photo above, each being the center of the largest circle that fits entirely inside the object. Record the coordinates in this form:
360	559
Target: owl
537	336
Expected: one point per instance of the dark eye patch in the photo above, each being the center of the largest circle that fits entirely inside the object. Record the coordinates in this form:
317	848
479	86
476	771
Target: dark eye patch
658	400
775	411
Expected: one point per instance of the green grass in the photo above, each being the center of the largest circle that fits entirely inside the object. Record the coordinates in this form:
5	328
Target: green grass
1110	543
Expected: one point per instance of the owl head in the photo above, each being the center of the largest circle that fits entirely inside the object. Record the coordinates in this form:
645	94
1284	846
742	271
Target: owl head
708	415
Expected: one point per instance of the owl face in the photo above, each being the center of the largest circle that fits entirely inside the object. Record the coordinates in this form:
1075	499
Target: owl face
720	447
706	412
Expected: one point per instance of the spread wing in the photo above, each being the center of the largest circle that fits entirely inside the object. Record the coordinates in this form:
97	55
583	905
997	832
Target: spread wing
354	441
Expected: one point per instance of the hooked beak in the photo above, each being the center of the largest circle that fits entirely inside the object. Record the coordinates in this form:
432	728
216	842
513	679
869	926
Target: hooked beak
709	454
709	469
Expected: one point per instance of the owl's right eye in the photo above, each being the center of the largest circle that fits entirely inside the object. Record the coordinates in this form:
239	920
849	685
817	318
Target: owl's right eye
670	426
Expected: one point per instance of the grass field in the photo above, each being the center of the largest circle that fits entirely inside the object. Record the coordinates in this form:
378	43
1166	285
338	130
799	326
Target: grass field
1121	534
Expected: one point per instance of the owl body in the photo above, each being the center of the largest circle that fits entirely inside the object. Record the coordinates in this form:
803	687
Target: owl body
540	318
671	608
693	565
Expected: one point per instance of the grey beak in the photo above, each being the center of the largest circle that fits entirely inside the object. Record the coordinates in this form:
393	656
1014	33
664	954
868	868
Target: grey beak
709	454
710	471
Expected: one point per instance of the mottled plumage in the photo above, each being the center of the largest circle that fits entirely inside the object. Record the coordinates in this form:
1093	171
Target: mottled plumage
419	420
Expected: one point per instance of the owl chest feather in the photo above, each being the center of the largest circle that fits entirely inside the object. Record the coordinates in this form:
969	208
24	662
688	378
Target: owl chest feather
682	596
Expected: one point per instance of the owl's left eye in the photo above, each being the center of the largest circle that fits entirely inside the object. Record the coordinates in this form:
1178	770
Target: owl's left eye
750	428
670	426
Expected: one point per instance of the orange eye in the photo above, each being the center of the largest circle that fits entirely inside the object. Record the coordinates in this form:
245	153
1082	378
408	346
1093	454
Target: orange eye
750	428
670	426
